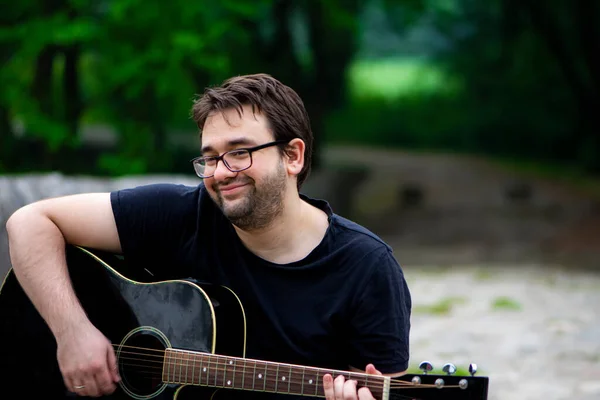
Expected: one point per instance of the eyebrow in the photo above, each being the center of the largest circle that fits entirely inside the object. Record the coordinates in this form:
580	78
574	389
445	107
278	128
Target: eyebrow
230	144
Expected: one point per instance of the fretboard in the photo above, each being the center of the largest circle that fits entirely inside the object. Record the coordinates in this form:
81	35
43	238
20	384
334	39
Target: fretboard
203	369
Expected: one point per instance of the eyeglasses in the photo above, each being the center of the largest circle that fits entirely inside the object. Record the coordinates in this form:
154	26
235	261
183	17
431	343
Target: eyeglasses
235	160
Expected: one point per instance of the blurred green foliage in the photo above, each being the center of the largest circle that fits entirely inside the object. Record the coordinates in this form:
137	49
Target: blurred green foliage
516	79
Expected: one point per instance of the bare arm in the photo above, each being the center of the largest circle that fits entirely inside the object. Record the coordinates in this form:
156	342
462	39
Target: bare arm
37	234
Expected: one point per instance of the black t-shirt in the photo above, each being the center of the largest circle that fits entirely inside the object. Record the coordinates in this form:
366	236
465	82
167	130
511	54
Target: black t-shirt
346	303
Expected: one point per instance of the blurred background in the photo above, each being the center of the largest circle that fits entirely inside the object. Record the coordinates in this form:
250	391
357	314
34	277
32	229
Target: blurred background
463	132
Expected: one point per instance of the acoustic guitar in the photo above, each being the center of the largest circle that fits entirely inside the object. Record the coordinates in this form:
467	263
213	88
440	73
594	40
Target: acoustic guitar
167	347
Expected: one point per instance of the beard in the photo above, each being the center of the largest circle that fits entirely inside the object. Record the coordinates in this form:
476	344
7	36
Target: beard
261	205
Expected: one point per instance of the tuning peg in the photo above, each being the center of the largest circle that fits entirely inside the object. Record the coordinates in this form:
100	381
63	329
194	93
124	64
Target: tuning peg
426	367
472	369
449	368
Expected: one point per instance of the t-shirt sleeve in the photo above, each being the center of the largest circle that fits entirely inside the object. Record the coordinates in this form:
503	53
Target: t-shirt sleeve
152	222
380	324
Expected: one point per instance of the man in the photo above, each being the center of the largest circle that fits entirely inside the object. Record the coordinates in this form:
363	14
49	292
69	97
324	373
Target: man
317	289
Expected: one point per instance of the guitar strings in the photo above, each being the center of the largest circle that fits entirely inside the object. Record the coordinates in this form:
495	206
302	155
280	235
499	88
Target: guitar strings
218	381
220	362
223	366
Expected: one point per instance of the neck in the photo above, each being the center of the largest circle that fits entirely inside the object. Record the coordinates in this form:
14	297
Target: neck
278	242
194	368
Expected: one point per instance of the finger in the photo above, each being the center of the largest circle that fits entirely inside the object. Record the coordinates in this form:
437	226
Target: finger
371	370
76	387
91	388
338	387
365	394
349	390
79	387
104	381
112	365
328	387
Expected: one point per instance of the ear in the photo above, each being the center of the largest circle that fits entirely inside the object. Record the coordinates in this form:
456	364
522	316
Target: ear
294	156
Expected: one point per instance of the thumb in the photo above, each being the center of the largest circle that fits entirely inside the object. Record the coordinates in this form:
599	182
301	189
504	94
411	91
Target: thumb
371	370
112	364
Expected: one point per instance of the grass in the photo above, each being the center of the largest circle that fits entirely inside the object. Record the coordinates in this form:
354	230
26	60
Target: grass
483	275
506	303
442	307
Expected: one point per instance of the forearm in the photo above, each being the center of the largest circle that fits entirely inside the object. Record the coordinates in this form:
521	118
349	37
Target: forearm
37	252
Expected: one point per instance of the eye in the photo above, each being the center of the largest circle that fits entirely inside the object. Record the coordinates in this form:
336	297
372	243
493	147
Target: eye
209	161
238	153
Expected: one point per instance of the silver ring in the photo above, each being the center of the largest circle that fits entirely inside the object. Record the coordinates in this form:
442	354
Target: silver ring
79	387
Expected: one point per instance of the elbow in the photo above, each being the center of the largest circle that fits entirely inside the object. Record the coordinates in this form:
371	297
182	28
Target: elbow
22	218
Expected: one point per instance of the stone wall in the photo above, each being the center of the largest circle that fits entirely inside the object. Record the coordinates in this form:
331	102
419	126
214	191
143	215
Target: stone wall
432	209
17	191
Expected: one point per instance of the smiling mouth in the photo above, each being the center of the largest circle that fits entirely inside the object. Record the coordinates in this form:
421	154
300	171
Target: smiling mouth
232	189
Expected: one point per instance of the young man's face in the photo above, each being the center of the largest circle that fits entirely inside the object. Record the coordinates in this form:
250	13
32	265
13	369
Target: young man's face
252	198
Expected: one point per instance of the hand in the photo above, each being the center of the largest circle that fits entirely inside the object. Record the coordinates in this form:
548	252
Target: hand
342	389
87	361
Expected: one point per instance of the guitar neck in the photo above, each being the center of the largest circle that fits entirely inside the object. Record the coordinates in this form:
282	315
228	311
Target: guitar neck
195	368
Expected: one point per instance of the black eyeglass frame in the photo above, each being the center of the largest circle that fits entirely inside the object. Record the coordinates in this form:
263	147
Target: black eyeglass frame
221	157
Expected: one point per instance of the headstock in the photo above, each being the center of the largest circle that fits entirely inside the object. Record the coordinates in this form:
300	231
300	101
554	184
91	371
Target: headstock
447	386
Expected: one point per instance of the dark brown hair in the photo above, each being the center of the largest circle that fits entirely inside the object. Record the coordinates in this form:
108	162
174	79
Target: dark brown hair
281	105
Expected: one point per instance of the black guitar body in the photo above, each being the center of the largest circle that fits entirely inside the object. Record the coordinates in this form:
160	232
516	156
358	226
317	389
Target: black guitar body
140	319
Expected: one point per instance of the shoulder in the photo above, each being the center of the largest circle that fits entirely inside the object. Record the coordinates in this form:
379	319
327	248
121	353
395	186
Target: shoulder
160	190
159	194
161	204
345	231
354	229
359	239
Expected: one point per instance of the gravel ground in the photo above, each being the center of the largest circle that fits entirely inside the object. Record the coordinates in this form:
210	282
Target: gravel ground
535	331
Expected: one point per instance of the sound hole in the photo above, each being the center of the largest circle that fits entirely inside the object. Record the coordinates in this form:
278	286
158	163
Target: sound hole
141	362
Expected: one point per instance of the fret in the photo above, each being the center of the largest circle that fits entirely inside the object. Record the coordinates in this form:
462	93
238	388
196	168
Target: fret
165	369
316	381
216	370
227	382
175	365
254	376
302	387
201	358
264	378
180	366
206	369
166	366
289	379
243	374
193	360
187	366
233	374
276	377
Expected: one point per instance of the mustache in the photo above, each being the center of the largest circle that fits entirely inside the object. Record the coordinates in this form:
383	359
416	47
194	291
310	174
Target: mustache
216	186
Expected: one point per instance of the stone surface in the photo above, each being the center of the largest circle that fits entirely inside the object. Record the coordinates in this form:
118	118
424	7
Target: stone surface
17	191
547	348
487	255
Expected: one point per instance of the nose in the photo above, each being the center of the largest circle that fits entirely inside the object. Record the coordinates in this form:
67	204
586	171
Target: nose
222	172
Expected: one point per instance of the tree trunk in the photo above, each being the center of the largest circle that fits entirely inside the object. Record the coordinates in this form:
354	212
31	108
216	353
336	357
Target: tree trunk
583	92
72	100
